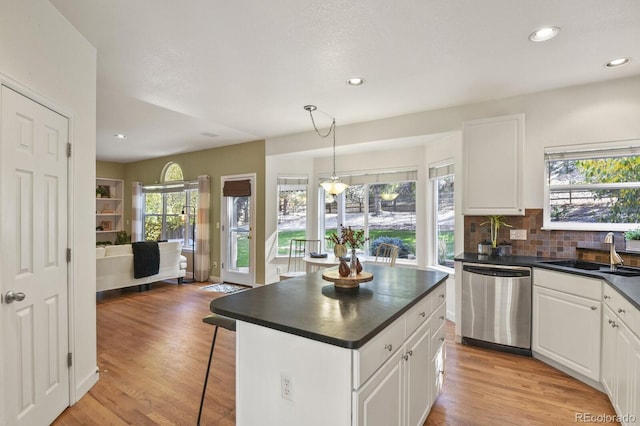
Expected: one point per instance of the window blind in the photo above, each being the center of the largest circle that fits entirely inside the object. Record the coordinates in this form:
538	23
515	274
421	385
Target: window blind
237	188
439	171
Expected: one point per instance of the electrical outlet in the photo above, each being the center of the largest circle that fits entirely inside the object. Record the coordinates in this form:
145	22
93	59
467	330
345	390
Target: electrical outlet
286	386
518	234
278	270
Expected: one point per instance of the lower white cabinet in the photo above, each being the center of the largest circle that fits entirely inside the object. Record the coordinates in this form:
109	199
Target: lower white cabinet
621	358
566	321
402	390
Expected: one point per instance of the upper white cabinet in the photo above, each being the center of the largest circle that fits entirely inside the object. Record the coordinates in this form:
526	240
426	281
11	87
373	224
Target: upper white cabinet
492	159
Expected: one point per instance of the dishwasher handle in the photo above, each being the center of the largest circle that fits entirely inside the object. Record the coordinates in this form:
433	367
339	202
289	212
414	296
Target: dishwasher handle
497	272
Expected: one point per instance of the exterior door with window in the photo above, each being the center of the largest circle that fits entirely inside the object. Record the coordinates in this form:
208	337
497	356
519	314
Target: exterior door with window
238	225
34	341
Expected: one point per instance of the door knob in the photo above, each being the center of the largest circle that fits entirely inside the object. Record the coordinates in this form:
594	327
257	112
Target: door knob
12	295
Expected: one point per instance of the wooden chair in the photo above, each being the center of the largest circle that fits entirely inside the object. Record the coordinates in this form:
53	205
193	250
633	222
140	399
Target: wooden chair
217	321
297	250
386	254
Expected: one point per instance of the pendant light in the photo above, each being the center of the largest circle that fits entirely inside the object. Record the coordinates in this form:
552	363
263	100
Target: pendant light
334	185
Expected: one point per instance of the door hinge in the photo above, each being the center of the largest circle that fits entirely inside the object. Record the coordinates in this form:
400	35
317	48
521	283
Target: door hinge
68	255
69	359
221	265
68	149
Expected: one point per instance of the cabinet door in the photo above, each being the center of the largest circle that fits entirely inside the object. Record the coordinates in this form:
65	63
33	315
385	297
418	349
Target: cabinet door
381	400
624	363
634	388
567	329
418	373
492	158
609	333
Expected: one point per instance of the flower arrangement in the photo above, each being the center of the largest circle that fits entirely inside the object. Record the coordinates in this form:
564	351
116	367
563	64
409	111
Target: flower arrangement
354	239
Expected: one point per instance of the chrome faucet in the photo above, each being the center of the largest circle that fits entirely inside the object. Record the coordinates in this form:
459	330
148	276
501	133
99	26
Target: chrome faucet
614	258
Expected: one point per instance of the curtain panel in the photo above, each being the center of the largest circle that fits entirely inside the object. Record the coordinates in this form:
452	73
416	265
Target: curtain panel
137	212
202	235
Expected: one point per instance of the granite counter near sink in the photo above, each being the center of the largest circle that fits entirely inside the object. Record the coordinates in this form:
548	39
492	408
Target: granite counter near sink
628	287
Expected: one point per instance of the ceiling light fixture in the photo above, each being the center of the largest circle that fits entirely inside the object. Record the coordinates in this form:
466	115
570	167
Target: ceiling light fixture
119	136
544	34
617	62
355	81
333	186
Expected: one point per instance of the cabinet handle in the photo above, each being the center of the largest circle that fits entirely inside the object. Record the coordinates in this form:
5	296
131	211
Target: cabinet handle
610	321
441	339
422	314
441	296
389	347
607	297
613	324
405	357
593	308
621	311
441	318
410	352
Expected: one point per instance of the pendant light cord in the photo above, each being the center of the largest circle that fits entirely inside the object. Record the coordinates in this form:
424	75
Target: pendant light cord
332	130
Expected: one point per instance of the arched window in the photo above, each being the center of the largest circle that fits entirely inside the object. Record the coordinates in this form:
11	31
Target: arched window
172	172
170	207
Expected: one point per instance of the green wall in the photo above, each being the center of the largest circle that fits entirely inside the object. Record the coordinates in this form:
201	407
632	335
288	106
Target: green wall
216	162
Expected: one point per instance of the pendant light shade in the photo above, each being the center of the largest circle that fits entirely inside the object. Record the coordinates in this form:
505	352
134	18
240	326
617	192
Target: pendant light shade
333	186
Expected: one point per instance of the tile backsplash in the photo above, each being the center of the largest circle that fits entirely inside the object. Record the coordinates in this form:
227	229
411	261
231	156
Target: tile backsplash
587	245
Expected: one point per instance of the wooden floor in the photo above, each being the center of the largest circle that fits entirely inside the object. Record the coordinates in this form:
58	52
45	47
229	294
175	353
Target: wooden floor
153	349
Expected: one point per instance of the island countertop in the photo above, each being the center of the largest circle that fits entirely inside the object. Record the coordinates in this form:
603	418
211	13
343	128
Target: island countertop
311	307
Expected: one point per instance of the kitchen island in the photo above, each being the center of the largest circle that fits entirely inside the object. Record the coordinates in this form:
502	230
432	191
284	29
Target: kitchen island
308	353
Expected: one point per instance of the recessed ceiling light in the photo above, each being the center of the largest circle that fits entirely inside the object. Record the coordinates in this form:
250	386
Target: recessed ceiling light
120	136
355	81
544	34
617	62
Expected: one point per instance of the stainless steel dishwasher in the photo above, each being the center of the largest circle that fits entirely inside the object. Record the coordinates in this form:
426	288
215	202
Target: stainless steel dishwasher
496	307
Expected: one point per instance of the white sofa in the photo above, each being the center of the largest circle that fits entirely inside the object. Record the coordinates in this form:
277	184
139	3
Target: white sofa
114	266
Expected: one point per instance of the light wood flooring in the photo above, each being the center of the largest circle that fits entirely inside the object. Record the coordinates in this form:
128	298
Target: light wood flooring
153	349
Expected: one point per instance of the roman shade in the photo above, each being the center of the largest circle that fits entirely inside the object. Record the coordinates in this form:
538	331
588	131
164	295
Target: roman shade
237	188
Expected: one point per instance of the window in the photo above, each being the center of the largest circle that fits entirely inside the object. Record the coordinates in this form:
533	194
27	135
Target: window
170	208
444	214
292	211
593	188
383	204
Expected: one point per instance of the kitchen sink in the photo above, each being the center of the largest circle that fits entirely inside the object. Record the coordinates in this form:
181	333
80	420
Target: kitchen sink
623	271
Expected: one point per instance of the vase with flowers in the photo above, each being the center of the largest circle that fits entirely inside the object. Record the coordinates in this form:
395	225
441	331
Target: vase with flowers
354	240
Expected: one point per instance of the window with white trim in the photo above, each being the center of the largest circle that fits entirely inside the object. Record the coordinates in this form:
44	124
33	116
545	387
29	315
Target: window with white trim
383	204
593	188
442	181
292	211
170	208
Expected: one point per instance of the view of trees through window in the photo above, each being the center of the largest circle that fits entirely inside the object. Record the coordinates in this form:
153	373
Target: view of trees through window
605	190
292	214
444	220
386	211
164	208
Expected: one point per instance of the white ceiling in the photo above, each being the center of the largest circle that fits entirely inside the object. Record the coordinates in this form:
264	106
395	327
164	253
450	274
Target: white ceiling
243	69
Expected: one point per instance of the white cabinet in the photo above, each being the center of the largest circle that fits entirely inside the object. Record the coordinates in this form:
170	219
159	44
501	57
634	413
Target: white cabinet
109	207
403	388
621	356
567	321
492	166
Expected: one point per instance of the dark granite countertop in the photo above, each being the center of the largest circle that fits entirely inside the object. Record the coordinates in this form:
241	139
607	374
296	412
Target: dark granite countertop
628	287
311	307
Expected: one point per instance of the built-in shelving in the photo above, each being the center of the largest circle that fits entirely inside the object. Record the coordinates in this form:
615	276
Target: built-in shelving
109	207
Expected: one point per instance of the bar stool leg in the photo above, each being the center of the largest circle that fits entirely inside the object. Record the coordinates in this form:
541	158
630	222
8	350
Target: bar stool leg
206	377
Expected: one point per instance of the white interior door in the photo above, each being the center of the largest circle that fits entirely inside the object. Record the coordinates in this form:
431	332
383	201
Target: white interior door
238	224
33	267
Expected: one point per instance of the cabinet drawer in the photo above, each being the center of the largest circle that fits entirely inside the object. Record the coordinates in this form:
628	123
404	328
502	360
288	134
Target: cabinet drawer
372	355
590	288
438	329
418	314
622	308
438	296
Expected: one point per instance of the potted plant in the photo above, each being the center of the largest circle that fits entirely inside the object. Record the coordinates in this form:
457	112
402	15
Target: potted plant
495	223
632	239
101	192
353	239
